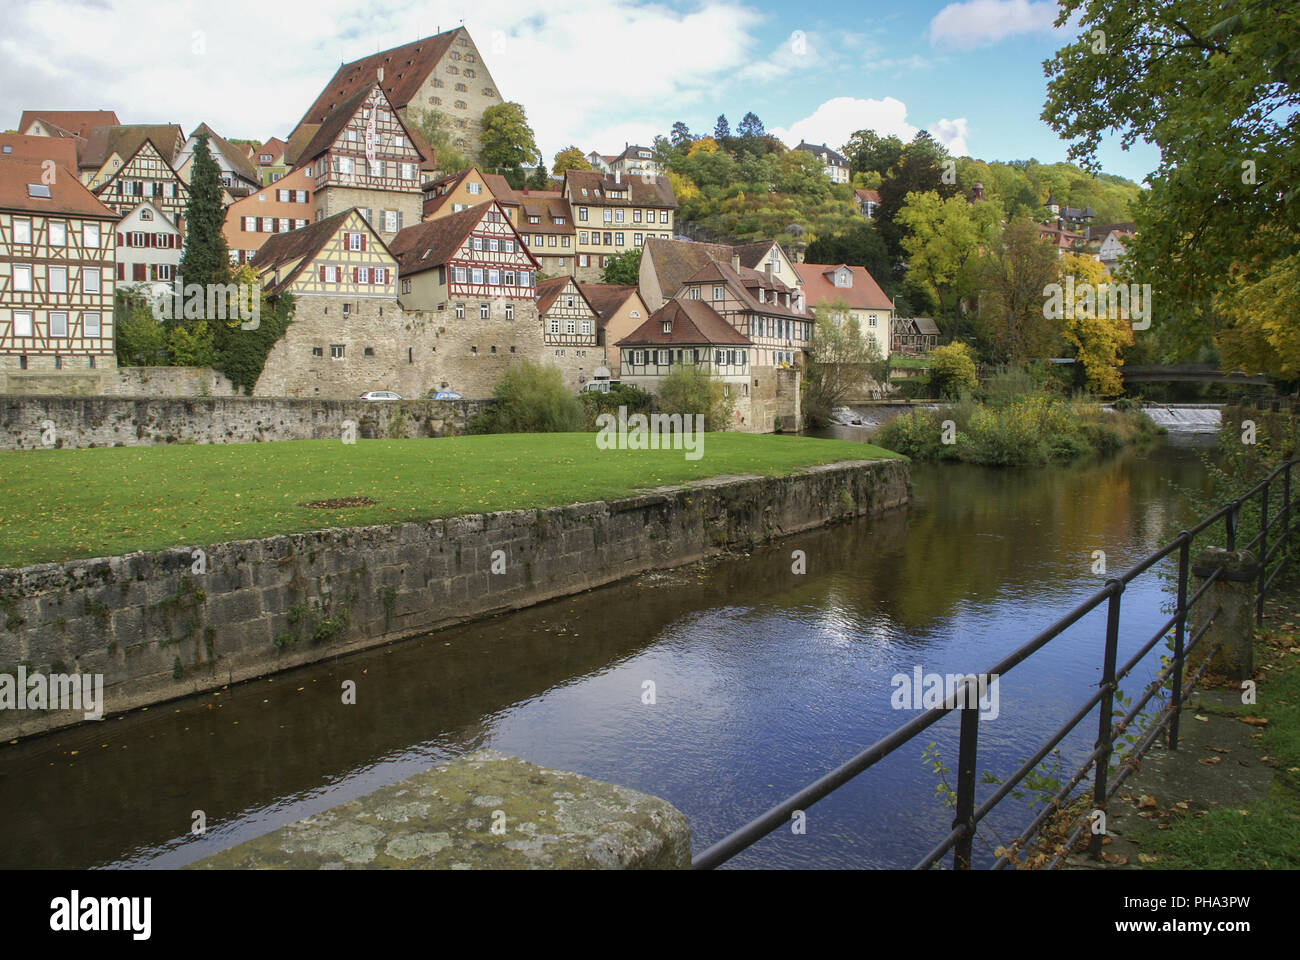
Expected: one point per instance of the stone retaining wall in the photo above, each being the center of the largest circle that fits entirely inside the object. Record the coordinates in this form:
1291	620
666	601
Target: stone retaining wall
118	421
155	629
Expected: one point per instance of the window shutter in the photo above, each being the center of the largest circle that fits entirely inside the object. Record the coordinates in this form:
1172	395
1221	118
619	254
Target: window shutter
322	274
399	219
121	238
363	240
355	276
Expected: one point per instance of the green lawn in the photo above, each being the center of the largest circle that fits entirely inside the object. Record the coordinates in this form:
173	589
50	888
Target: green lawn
909	362
64	504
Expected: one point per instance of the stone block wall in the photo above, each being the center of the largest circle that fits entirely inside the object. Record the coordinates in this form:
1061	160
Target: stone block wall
155	629
114	421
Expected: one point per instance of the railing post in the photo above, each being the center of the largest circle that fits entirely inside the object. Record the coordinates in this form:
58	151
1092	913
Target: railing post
1263	554
1180	631
1107	702
970	719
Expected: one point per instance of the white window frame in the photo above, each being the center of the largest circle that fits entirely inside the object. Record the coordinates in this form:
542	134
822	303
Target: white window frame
56	317
24	323
91	324
23	270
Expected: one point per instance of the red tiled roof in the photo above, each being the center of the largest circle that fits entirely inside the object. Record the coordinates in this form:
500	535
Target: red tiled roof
299	247
871	195
819	287
656	193
692	322
740	285
76	122
18	147
606	298
549	290
431	243
67	195
405	69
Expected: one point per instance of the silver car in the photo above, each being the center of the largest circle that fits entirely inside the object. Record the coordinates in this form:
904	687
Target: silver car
379	395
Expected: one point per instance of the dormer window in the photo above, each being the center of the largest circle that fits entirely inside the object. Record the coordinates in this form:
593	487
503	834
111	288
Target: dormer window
843	278
668	326
695	293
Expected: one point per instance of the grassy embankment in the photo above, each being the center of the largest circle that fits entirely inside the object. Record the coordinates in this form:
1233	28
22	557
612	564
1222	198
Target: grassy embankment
66	504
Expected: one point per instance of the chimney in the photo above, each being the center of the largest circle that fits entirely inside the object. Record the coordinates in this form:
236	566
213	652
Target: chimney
735	261
379	74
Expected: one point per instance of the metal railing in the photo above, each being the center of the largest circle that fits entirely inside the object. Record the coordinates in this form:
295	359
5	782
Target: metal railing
962	835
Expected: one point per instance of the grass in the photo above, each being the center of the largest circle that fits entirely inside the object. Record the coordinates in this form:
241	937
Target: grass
904	361
67	504
1264	834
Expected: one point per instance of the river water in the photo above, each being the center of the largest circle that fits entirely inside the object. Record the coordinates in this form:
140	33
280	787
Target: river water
763	680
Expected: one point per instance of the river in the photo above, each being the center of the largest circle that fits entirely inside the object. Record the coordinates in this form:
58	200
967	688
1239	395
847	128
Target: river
763	680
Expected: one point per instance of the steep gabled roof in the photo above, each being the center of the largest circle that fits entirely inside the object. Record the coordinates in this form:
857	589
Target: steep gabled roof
234	155
67	194
432	243
275	147
332	125
606	298
405	69
299	247
102	189
125	140
71	122
62	151
692	322
836	158
819	287
742	283
549	290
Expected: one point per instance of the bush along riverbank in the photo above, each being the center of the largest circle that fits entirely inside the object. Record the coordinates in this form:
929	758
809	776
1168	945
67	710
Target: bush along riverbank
1019	430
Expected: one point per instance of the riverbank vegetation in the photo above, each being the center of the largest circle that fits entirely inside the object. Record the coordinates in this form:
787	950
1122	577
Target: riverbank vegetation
65	504
1014	420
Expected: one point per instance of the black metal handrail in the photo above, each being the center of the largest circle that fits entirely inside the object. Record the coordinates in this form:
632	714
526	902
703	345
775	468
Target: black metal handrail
962	835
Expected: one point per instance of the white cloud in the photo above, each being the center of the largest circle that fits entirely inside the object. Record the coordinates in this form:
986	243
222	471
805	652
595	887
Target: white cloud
581	68
975	23
799	51
952	134
836	120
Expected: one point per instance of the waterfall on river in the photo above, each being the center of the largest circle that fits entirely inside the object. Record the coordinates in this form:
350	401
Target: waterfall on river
1186	419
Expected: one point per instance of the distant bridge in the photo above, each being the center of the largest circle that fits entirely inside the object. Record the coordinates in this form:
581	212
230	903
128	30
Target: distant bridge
1191	372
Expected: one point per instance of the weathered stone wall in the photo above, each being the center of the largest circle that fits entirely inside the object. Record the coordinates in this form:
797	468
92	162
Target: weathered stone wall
168	382
773	394
113	421
156	629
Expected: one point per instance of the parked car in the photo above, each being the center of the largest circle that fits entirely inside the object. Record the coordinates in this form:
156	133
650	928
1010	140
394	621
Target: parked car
598	386
379	395
447	395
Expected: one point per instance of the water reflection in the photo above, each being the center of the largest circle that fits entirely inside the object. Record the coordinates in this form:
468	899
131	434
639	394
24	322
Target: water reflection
764	680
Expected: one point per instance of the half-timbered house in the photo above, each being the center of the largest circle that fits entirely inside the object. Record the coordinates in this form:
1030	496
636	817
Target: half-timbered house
348	334
545	220
570	329
56	274
280	207
364	156
237	174
619	310
769	313
146	175
470	277
613	214
148	246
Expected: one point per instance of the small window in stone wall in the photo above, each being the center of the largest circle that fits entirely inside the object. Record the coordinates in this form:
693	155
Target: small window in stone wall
369	351
318	351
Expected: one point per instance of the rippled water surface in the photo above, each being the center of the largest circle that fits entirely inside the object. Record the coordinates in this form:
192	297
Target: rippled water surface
764	680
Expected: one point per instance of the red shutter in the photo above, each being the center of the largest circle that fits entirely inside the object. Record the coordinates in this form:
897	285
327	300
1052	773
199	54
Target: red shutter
121	238
322	274
121	271
137	271
363	243
355	275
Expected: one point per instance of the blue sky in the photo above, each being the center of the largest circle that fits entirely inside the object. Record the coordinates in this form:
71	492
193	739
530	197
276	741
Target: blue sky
595	73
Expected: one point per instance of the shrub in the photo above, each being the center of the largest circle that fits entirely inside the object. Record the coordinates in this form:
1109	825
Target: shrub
621	395
952	369
530	398
691	390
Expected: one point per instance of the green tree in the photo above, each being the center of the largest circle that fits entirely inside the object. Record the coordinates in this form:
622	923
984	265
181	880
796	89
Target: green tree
869	152
751	128
1013	276
919	169
507	141
531	398
680	135
942	240
860	246
837	360
625	268
721	129
139	338
539	180
436	128
1216	88
570	158
189	344
205	258
952	369
689	389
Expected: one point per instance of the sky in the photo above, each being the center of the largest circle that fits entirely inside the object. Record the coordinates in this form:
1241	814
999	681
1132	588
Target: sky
593	73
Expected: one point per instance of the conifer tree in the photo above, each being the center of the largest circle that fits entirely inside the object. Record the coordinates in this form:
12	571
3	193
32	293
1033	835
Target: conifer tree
205	258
